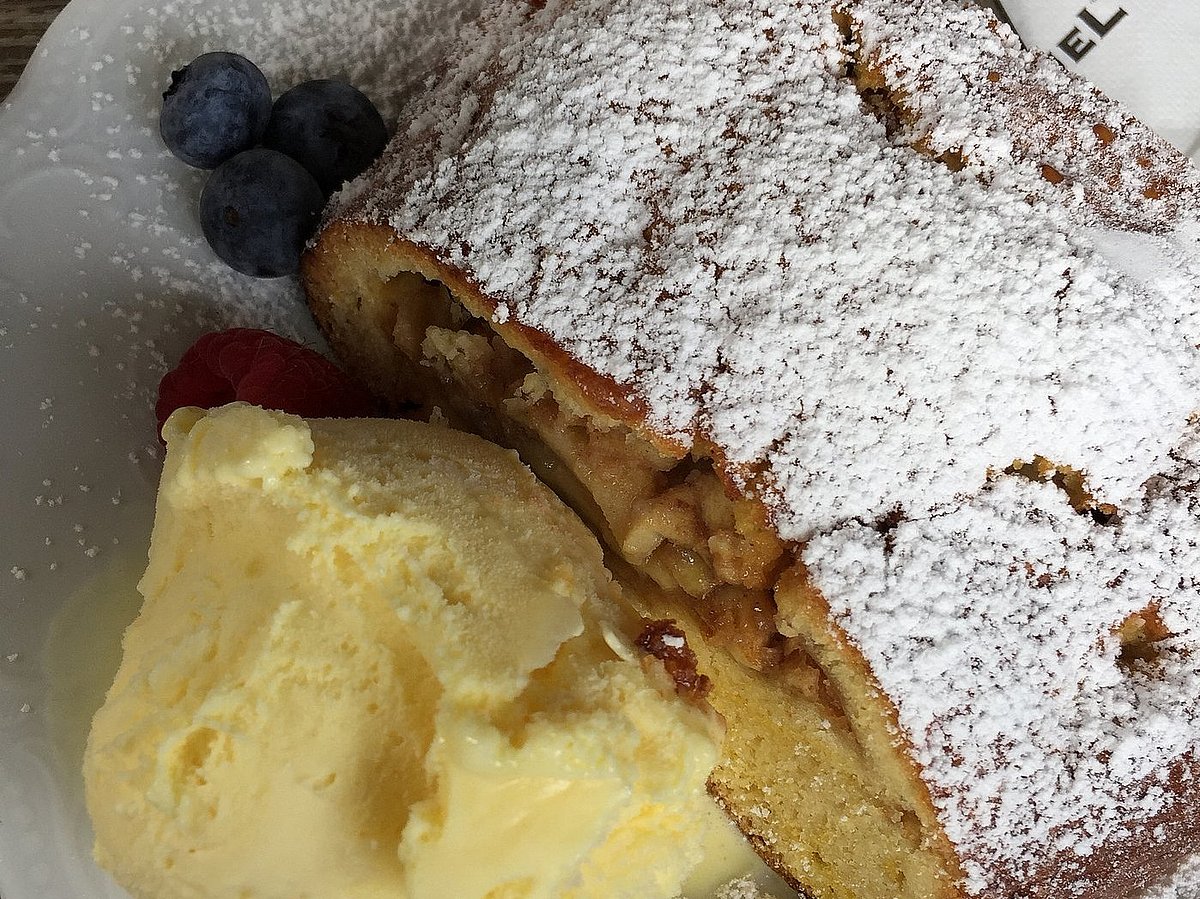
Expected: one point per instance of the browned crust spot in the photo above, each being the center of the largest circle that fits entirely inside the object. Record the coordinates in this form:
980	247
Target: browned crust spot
667	642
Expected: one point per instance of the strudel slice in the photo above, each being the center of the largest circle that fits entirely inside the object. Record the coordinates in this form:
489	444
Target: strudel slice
868	343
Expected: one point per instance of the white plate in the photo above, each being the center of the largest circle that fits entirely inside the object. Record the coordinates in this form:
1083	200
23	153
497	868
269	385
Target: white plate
103	280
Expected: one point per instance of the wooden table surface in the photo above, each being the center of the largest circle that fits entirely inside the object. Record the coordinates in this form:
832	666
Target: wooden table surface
21	25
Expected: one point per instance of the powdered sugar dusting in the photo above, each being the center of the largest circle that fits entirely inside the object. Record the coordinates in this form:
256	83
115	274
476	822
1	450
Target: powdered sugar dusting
983	100
1019	598
704	203
382	48
742	888
700	207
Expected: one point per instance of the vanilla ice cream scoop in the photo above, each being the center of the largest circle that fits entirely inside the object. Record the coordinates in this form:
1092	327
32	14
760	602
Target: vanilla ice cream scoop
379	659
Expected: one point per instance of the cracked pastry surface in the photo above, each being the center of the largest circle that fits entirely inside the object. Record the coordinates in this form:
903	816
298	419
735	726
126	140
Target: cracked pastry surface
862	258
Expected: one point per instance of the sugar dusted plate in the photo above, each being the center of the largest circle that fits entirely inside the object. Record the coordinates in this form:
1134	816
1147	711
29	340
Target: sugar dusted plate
103	278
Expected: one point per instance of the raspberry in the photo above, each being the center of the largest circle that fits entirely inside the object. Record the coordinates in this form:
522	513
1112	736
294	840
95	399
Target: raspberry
264	369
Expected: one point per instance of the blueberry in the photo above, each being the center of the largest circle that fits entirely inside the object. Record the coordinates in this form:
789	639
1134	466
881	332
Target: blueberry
258	209
217	105
330	127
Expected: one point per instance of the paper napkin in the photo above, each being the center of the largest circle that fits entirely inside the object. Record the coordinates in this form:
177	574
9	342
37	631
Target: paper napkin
1145	53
